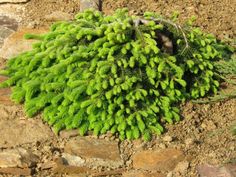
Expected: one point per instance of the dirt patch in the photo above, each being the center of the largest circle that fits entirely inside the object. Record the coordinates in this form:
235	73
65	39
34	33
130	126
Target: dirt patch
218	17
36	11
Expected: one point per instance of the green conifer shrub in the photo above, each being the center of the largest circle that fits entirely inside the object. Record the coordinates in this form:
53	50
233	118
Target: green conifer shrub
112	73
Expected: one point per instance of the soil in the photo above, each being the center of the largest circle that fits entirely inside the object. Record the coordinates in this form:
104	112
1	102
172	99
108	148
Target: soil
205	133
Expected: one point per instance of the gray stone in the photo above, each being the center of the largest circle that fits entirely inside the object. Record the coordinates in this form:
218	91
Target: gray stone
87	4
73	160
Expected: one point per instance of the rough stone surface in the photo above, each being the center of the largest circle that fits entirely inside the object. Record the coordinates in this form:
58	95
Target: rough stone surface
13	1
5	96
58	16
207	170
16	43
134	173
231	168
17	158
93	148
17	132
182	167
48	165
68	133
61	167
13	11
86	4
163	160
17	171
96	152
167	138
73	160
7	22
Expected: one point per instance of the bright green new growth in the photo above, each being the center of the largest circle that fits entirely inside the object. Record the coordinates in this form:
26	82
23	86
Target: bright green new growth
109	73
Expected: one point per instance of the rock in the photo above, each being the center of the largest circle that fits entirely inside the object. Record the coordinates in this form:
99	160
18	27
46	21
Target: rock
68	133
5	96
17	158
167	138
13	1
165	159
48	165
98	152
16	132
86	4
14	12
15	43
5	32
73	160
207	170
135	173
231	168
17	171
61	167
7	25
58	16
182	167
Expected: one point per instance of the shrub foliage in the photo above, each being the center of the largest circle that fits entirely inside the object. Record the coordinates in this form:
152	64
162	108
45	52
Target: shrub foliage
114	73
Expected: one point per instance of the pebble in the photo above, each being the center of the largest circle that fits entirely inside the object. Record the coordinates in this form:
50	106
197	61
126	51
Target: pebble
167	138
189	141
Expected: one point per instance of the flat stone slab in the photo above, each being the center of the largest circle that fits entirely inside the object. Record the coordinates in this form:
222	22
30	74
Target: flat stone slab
97	152
160	160
16	44
207	170
18	131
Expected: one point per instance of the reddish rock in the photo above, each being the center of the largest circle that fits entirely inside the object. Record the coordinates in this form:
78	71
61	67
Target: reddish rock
15	43
17	171
93	148
207	170
134	173
162	160
5	94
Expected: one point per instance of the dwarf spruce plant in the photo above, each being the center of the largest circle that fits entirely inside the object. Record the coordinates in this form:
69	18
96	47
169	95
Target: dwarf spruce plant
119	73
